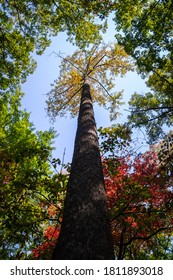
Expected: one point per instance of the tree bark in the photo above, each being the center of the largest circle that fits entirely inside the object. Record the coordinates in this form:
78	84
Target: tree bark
85	232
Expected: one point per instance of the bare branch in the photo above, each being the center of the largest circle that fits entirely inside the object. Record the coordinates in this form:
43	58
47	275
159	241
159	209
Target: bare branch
63	160
96	65
100	85
91	54
49	202
68	62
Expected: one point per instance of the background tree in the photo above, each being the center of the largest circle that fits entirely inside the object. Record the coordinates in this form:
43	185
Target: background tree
27	26
147	32
148	37
154	109
140	197
28	185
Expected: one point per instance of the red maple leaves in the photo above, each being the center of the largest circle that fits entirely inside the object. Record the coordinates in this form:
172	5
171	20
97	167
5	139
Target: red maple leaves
139	200
44	251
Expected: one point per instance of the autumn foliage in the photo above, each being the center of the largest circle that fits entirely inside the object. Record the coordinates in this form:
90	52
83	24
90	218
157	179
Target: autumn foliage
44	251
100	64
140	200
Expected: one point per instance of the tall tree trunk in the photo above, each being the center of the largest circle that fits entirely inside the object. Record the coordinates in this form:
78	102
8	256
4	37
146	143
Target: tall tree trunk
85	231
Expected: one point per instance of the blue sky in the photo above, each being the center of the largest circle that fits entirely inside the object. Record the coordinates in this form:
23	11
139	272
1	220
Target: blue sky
38	85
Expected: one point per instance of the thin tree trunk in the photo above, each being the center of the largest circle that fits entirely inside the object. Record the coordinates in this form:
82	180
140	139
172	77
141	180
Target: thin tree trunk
85	231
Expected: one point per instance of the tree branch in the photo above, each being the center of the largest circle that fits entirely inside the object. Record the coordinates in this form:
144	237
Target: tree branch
100	85
148	109
65	59
62	11
155	118
162	78
69	99
147	237
63	160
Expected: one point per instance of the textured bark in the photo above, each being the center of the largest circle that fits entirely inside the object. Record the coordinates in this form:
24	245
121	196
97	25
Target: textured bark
85	231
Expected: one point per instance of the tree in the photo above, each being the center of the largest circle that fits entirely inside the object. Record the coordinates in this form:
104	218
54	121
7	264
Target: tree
153	110
140	202
101	63
85	232
139	194
147	37
27	27
147	32
28	186
44	250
